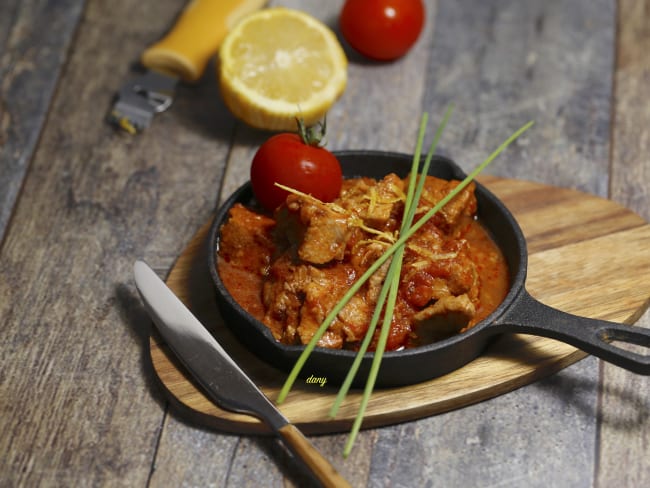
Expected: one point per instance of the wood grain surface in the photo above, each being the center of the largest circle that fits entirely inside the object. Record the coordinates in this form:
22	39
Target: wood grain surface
32	56
80	404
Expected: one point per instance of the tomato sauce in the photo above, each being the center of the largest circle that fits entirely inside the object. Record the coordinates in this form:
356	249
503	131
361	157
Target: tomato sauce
288	270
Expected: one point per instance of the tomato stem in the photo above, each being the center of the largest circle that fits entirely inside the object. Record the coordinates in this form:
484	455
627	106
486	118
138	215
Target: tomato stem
313	135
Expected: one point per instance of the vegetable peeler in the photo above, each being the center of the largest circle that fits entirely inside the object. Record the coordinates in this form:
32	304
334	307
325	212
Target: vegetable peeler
181	55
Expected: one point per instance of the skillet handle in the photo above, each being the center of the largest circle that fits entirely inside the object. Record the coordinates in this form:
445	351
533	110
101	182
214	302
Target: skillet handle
530	316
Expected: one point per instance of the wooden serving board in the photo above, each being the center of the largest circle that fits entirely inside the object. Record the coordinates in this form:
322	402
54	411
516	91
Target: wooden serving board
587	255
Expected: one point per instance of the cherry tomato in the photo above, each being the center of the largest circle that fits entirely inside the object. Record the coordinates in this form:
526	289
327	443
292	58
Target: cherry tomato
382	30
298	163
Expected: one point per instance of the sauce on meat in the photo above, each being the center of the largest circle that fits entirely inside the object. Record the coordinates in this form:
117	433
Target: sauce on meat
288	270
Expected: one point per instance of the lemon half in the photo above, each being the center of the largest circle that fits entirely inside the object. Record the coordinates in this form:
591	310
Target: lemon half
278	64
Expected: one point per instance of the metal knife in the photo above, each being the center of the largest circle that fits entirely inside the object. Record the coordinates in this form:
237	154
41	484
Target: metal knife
217	373
182	54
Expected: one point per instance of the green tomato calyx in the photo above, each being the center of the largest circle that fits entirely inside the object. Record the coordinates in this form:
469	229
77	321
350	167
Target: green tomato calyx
313	135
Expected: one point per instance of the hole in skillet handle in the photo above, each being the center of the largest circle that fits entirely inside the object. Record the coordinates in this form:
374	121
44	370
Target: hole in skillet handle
398	368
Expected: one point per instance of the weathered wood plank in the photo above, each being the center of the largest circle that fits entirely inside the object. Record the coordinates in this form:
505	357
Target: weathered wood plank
34	40
79	407
253	459
506	62
502	64
624	431
352	123
631	135
380	109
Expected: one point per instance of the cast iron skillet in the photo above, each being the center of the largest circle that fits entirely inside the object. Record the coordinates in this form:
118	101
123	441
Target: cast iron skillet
519	312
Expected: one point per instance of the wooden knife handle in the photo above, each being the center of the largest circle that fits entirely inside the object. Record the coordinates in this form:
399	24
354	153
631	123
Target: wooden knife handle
196	36
314	460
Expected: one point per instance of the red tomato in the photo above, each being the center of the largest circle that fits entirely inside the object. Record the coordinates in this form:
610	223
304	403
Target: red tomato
382	29
287	159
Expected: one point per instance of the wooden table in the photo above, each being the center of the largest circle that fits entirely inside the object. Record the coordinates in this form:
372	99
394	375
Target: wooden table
79	402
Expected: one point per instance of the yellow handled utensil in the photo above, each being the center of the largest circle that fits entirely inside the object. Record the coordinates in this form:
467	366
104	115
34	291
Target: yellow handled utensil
182	54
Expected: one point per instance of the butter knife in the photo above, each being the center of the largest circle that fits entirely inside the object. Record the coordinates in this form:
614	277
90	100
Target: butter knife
218	374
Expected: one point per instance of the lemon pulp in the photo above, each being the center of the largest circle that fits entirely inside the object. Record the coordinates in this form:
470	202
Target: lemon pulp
279	64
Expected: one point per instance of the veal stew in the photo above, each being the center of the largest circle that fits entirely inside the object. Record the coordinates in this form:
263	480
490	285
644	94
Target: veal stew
290	268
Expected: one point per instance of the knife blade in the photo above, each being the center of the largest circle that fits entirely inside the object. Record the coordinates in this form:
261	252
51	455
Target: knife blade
218	374
182	54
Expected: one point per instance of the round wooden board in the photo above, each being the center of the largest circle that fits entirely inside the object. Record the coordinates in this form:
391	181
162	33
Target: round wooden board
587	256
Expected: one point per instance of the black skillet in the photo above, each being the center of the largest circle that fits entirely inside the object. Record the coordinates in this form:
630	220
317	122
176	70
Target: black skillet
519	312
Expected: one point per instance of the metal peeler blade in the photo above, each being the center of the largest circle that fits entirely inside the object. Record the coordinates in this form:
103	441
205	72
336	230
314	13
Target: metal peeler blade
140	99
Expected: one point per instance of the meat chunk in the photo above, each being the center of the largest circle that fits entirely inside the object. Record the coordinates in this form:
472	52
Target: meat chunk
377	203
383	199
318	232
447	316
462	205
297	298
245	239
